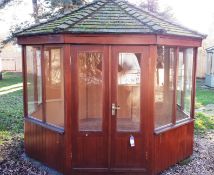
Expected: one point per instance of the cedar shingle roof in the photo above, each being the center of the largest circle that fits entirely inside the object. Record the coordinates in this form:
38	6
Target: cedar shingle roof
110	16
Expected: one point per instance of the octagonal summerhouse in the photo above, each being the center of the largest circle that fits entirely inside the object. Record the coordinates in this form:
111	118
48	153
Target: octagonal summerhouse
109	88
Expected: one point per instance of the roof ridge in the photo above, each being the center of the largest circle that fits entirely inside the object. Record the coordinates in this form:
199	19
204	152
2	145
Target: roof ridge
159	28
106	16
76	9
84	17
156	15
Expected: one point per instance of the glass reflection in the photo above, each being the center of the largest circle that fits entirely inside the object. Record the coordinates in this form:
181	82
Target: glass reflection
90	85
128	92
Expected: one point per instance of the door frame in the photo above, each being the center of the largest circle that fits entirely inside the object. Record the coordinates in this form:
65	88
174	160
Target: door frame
115	50
74	104
108	52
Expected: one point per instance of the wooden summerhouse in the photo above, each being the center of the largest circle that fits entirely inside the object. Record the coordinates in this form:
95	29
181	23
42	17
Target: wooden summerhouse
209	81
109	88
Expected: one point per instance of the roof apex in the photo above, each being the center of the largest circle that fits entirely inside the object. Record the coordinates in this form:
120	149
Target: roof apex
110	16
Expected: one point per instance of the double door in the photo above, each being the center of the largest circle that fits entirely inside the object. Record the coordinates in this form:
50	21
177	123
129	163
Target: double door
108	118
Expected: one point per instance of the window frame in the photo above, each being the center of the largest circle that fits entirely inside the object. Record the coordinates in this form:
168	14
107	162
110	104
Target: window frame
190	117
103	93
25	83
43	122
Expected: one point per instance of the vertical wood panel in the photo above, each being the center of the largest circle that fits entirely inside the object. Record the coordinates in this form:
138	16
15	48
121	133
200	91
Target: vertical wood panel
45	146
24	76
195	54
173	146
151	56
67	95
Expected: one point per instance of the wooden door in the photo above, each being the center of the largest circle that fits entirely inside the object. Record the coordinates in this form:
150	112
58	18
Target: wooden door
102	133
90	113
128	105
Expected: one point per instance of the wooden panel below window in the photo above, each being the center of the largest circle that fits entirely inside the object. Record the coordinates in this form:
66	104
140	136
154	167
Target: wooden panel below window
44	145
126	157
173	146
92	152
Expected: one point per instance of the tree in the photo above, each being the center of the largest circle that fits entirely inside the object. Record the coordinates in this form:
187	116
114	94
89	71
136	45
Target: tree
4	3
41	10
35	10
153	6
150	5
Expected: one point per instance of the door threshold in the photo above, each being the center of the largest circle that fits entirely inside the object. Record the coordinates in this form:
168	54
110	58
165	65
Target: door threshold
116	170
123	170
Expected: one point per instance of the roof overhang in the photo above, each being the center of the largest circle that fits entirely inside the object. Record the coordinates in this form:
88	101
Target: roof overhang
114	39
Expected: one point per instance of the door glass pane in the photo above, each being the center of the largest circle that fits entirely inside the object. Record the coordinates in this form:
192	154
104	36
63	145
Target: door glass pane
128	92
34	82
54	86
90	91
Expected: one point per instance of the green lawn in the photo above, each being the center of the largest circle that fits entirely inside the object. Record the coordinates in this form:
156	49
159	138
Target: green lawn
203	96
11	106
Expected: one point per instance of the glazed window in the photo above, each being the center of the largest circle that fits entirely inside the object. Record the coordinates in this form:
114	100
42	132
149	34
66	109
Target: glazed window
45	87
34	82
54	87
184	83
90	85
173	86
164	86
128	92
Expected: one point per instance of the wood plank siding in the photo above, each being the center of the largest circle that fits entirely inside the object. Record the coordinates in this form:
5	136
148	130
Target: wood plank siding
173	146
45	145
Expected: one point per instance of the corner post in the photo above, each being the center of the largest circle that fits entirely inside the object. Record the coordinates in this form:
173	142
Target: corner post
24	76
152	60
194	70
67	96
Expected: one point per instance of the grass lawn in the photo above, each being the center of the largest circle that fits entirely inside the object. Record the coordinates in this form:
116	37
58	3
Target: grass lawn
11	106
203	96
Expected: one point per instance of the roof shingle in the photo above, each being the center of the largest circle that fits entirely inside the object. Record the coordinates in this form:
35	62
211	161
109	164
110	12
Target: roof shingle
110	16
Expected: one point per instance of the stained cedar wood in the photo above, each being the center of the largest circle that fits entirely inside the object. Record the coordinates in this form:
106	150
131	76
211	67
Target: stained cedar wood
24	76
111	39
35	90
43	85
195	56
173	146
95	144
149	119
45	146
68	123
121	154
49	147
175	85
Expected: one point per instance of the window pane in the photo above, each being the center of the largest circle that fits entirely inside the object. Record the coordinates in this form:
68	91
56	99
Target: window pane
90	91
164	86
54	86
34	82
184	84
128	92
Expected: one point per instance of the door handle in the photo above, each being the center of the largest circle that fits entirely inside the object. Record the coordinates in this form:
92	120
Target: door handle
114	108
